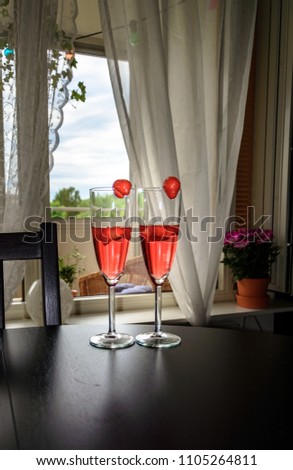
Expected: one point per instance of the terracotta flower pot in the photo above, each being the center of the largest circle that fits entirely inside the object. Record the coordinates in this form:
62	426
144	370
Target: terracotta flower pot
252	293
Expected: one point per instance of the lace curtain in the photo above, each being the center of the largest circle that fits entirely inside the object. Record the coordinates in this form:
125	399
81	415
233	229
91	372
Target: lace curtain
31	29
188	63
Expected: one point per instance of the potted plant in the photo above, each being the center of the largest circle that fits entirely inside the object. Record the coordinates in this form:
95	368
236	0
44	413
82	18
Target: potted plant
250	255
69	269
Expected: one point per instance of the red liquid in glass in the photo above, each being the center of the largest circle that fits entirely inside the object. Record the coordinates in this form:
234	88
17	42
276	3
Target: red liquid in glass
111	246
159	243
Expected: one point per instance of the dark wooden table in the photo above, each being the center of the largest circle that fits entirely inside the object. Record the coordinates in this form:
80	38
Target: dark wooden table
220	389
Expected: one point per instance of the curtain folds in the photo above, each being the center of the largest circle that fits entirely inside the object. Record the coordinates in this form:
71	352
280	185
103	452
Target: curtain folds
34	28
181	113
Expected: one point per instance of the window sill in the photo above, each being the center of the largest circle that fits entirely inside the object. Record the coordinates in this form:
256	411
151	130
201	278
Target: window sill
220	311
170	314
229	309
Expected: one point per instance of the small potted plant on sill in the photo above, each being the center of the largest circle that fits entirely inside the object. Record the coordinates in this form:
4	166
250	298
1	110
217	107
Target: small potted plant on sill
250	255
69	269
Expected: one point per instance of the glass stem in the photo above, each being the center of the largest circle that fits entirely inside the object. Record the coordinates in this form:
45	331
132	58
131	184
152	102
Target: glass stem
111	304
158	309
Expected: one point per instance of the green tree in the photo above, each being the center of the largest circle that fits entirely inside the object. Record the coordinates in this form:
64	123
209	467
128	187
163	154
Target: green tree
66	197
70	197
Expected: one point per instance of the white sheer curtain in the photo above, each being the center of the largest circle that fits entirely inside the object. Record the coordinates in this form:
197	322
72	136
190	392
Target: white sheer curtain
30	28
189	63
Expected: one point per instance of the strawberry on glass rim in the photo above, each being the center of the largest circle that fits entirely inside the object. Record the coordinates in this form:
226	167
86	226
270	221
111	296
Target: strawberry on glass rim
171	186
121	188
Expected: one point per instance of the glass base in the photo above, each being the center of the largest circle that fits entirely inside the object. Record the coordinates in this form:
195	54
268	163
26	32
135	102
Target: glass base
112	340
158	340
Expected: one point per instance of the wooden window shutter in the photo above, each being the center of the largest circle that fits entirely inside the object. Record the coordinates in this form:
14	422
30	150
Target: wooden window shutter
244	169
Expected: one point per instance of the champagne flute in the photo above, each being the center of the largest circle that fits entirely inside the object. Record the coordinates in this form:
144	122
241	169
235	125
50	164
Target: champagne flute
159	219
111	234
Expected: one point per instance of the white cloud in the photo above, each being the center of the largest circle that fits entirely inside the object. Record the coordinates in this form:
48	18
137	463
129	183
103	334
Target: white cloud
91	150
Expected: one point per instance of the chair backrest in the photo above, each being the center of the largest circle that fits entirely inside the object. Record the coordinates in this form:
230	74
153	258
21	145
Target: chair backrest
35	245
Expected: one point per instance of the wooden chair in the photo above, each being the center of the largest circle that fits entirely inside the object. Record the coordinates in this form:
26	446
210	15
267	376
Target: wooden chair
135	273
35	245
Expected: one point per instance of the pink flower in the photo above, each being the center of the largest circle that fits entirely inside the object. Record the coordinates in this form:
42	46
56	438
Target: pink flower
264	236
243	237
235	237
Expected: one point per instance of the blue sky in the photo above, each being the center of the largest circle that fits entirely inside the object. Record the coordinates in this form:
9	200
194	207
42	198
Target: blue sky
91	150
